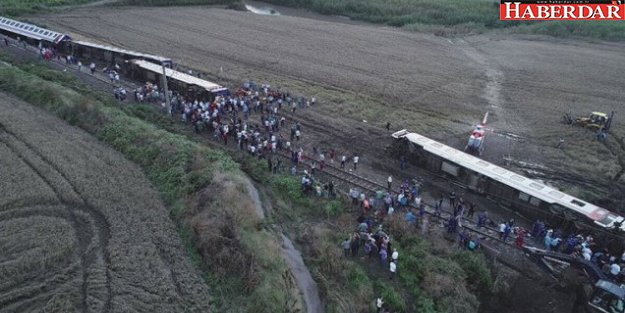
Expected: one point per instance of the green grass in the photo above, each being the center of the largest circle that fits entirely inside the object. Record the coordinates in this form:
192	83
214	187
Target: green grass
453	17
20	7
232	4
181	170
24	7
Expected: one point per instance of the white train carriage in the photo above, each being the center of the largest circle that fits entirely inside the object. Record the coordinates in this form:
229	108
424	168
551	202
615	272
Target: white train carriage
31	33
114	55
184	83
509	188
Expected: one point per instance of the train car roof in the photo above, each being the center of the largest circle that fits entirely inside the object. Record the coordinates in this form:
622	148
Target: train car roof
123	51
180	76
529	186
32	31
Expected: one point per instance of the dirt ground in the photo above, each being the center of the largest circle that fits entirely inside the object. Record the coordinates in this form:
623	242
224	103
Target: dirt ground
436	86
81	229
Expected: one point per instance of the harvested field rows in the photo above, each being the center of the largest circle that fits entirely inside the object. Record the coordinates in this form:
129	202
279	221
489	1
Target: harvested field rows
80	228
437	86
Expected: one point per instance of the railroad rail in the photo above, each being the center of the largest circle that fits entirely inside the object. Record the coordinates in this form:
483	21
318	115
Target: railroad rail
349	178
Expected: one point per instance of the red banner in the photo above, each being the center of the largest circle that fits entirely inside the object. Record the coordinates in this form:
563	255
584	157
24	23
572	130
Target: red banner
509	11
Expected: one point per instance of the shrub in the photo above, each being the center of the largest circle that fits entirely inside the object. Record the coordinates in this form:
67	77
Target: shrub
478	273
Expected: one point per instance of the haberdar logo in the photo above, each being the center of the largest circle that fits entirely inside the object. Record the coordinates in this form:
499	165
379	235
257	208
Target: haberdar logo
562	10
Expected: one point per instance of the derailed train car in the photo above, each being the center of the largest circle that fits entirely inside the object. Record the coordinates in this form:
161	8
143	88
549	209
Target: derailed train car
529	197
110	55
32	34
185	84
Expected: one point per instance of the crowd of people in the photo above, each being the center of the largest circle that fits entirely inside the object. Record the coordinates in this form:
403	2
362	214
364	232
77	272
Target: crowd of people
582	246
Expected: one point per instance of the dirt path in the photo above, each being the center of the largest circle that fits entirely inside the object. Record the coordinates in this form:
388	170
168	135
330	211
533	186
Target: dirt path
293	258
307	285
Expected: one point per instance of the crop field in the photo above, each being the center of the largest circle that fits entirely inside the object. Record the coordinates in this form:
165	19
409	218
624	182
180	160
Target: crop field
437	86
81	230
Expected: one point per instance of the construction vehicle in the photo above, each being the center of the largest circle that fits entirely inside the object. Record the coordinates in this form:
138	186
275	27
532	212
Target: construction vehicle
595	121
600	295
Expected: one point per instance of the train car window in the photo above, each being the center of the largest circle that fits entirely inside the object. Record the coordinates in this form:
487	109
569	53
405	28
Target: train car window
482	163
41	31
578	203
537	186
556	194
517	178
523	196
449	168
534	201
499	170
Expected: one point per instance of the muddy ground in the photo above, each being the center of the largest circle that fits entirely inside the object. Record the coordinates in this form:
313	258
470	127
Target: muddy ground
437	86
81	229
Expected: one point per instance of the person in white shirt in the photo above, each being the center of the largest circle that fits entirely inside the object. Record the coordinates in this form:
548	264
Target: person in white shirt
502	229
395	255
393	269
615	269
379	304
390	182
356	162
344	158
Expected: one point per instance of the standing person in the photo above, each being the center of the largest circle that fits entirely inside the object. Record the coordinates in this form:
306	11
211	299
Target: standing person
356	162
402	162
343	159
92	68
502	229
347	244
506	232
452	200
79	66
388	125
392	269
355	245
379	304
471	210
395	255
390	183
297	134
6	42
383	256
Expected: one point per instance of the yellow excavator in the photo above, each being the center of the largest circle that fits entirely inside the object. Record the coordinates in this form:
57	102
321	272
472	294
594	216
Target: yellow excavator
595	121
597	293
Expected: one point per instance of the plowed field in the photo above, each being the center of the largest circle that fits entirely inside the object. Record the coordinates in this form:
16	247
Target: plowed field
81	230
437	86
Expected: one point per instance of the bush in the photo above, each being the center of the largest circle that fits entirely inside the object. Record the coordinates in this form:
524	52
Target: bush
390	296
175	2
478	274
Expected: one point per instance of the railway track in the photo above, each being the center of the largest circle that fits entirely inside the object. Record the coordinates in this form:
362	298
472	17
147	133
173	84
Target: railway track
345	178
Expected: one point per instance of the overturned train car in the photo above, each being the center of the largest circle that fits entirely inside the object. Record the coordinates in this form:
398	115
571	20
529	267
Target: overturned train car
520	194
